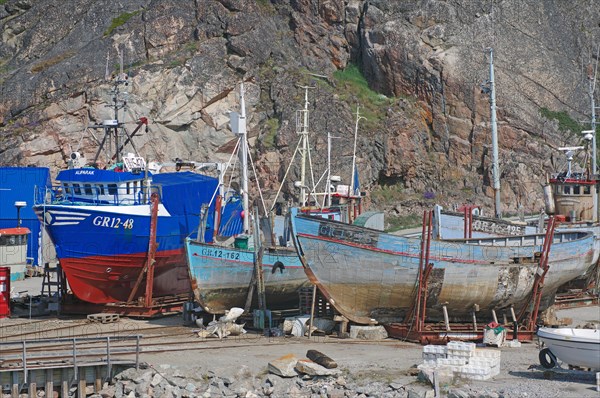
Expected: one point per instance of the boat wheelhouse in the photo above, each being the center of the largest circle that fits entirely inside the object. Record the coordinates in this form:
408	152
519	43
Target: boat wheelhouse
13	251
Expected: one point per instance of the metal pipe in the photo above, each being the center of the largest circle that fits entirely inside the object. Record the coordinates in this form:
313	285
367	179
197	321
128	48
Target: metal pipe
427	266
137	354
420	278
446	319
108	363
75	370
312	311
24	362
512	313
465	234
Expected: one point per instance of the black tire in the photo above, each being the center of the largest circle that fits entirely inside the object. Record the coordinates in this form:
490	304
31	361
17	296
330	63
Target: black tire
547	358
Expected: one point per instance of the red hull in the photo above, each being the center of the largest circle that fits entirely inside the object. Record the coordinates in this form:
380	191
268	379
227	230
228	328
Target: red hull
110	279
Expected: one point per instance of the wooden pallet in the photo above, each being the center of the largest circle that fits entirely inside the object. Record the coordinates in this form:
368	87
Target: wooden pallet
103	318
322	307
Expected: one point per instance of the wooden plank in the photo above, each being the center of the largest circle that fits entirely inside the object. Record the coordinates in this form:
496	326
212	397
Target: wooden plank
32	390
64	391
81	388
49	389
98	379
15	385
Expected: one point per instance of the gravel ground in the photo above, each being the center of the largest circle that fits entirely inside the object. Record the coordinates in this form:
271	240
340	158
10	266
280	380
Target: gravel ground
362	363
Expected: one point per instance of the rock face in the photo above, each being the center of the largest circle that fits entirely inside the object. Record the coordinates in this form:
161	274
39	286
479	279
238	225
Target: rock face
429	135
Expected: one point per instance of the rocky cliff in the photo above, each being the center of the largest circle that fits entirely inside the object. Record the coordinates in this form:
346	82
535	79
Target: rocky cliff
414	67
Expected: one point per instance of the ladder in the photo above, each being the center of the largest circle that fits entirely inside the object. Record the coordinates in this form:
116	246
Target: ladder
53	286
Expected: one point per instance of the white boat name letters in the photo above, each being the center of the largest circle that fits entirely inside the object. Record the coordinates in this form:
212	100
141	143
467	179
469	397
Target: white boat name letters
500	229
112	222
220	254
356	236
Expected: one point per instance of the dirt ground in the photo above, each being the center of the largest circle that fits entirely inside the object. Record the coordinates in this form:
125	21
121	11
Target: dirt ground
387	360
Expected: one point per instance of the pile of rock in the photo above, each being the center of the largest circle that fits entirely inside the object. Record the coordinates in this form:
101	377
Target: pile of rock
317	364
289	376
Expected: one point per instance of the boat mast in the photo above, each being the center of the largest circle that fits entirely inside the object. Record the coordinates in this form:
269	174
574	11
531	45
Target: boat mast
302	130
112	126
121	79
241	132
495	164
358	117
328	183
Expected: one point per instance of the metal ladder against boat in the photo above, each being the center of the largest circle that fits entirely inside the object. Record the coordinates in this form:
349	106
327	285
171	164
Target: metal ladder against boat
53	286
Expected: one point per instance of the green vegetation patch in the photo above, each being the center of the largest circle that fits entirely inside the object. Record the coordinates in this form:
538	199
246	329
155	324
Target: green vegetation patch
396	223
266	5
269	139
353	87
119	21
388	194
565	122
52	61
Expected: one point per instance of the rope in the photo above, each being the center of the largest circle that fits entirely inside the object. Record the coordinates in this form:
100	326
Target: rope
262	200
312	178
226	167
285	175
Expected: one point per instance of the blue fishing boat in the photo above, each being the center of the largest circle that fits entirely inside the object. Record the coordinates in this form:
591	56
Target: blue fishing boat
222	270
370	276
99	220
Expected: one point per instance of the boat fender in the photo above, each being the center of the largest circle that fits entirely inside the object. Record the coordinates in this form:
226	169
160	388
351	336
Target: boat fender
547	358
278	265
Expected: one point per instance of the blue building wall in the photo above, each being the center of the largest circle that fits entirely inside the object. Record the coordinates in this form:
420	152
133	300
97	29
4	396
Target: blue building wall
18	184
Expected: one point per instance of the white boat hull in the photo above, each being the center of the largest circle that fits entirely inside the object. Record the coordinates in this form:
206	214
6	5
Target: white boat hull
577	347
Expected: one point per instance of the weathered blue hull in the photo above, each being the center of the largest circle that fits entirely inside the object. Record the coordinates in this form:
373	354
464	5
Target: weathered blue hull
221	276
372	276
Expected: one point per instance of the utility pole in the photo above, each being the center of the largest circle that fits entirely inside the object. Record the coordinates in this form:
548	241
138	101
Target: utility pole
592	89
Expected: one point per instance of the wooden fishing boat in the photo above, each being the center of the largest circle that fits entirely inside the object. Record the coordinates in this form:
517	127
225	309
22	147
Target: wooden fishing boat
370	276
223	271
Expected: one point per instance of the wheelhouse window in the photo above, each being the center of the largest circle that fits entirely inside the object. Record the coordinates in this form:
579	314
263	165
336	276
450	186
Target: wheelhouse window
76	189
128	185
101	189
586	190
576	190
13	240
112	189
88	189
566	189
67	188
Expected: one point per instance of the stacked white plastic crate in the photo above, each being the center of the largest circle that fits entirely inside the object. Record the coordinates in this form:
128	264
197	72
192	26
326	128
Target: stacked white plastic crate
462	359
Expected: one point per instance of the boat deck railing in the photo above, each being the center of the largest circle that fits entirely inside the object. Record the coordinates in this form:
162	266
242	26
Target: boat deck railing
94	195
524	240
